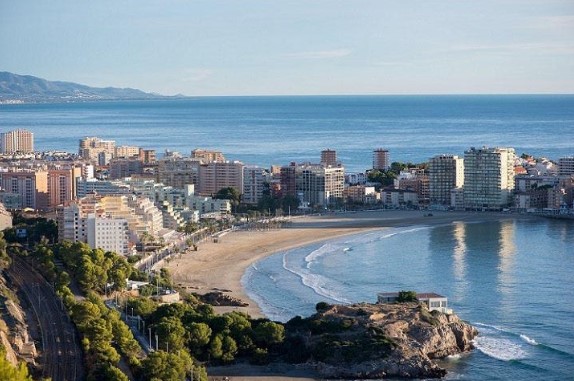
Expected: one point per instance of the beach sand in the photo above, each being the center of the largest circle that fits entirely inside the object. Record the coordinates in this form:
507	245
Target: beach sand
220	266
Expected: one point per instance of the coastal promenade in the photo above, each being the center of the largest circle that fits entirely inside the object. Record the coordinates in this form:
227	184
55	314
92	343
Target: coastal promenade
61	358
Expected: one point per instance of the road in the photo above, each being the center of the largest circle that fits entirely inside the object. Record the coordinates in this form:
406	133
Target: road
61	358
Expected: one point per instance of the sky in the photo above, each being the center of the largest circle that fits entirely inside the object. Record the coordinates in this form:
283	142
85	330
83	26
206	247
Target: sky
294	47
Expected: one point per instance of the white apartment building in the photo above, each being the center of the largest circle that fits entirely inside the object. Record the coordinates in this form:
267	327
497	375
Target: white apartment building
76	224
85	187
206	205
108	234
488	178
446	172
319	185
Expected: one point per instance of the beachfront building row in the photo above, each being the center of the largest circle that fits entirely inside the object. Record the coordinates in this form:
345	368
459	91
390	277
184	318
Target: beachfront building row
483	180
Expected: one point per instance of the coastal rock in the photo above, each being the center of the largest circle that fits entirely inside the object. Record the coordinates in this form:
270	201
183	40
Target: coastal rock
218	298
366	341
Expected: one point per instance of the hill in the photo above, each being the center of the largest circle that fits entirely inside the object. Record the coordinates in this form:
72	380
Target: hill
16	88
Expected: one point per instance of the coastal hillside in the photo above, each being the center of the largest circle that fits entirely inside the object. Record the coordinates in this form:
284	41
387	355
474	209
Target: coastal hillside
16	88
372	341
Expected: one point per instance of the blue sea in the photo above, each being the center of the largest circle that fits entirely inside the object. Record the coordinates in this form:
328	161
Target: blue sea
514	279
511	279
278	130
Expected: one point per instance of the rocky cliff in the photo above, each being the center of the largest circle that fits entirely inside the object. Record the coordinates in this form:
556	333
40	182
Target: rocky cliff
381	340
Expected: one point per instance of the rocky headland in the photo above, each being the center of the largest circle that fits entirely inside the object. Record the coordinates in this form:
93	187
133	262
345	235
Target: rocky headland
366	341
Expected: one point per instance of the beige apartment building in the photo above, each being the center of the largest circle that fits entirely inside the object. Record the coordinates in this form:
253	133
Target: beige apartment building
178	171
62	185
207	156
31	187
21	141
216	175
92	147
381	159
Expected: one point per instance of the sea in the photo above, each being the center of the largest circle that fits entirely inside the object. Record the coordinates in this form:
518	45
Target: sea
277	130
513	279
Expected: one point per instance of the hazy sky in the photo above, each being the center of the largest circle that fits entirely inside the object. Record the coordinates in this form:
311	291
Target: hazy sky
258	47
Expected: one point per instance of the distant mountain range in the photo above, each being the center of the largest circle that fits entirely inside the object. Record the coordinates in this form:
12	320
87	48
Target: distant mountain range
16	88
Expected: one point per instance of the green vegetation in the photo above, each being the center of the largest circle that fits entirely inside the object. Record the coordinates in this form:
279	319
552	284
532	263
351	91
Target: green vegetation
387	177
407	296
4	258
9	372
37	229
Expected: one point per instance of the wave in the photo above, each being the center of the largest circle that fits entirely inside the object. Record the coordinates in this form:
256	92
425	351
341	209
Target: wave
500	349
528	340
315	282
491	330
315	255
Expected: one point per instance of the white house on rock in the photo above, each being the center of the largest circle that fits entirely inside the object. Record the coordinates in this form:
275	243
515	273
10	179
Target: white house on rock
434	302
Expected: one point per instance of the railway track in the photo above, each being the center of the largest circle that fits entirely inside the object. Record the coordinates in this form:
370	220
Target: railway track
61	358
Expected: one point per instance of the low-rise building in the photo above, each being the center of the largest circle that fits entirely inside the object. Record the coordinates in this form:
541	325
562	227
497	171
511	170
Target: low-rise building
392	197
434	302
361	194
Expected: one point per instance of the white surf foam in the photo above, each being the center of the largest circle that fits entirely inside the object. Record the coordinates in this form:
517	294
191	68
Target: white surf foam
529	340
315	255
318	283
500	349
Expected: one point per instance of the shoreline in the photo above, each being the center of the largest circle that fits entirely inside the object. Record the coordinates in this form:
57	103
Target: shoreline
221	266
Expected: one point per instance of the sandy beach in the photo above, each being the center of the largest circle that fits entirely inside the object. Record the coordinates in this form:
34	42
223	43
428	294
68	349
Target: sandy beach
220	266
